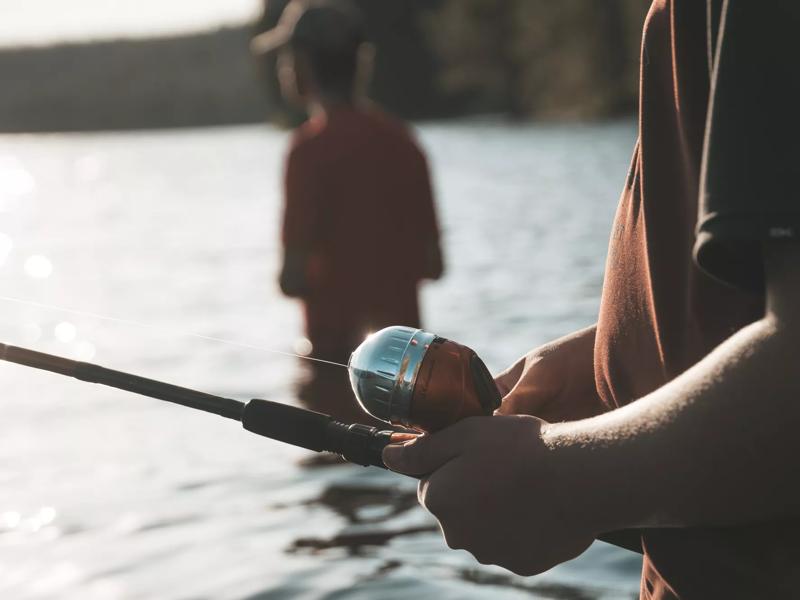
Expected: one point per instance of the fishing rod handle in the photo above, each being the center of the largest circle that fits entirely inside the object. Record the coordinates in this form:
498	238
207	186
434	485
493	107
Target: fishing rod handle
356	443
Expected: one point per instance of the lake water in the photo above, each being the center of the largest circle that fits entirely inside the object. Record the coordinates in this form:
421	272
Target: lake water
106	495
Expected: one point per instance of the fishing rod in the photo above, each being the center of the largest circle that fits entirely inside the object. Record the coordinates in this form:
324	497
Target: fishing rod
404	376
356	443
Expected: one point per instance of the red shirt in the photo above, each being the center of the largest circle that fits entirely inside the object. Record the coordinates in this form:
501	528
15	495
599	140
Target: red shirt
661	312
358	199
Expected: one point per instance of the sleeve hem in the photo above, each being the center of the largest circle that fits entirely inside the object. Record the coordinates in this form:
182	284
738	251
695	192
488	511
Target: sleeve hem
729	245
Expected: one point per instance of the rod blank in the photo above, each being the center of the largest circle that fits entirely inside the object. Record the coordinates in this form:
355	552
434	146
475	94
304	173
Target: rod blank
224	407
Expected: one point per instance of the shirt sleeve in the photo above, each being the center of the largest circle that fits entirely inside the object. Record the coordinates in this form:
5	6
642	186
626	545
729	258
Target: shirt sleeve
301	202
751	158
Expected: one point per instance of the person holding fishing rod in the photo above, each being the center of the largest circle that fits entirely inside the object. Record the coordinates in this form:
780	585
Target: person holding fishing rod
358	198
677	413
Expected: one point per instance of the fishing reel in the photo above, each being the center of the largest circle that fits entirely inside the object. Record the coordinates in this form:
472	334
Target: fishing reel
418	380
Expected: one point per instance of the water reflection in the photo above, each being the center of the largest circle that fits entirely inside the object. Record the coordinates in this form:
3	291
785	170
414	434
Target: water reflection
65	332
88	168
6	245
11	520
356	543
549	591
31	332
84	350
15	179
38	266
204	492
360	504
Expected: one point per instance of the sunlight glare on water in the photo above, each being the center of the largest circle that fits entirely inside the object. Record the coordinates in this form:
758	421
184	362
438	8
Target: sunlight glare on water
65	332
16	183
38	266
6	245
88	168
15	179
302	346
31	332
84	350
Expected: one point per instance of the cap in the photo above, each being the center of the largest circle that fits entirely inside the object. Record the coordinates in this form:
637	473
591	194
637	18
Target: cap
320	25
383	371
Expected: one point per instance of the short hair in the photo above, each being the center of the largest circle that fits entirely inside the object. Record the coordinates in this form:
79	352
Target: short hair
333	71
331	42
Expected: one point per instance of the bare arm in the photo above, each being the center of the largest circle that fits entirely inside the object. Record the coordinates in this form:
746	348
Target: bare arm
716	446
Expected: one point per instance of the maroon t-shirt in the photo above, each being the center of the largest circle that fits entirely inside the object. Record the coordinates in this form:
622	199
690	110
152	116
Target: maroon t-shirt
713	175
358	200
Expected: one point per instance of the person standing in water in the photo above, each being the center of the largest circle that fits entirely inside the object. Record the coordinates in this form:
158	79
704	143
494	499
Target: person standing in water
359	224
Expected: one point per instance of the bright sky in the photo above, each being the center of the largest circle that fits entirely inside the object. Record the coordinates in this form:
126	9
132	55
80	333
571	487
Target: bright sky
45	21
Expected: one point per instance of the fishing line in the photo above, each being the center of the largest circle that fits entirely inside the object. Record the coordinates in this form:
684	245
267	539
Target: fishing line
130	322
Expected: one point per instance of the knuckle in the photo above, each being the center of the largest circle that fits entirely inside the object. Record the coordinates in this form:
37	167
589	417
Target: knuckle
434	501
511	405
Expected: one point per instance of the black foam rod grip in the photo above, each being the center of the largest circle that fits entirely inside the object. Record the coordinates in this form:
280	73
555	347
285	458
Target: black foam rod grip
288	424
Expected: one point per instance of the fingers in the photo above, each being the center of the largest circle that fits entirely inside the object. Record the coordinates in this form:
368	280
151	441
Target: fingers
524	400
506	380
428	452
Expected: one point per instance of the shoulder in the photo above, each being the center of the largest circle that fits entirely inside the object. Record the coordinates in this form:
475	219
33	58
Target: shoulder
300	157
390	124
305	136
403	137
308	136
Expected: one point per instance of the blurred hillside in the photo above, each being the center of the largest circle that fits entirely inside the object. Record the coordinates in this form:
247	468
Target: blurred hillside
570	59
187	80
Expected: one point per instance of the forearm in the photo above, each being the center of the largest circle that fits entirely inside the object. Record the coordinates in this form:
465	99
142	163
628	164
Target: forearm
716	446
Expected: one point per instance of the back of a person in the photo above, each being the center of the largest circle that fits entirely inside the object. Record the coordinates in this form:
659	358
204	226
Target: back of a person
376	196
359	229
376	220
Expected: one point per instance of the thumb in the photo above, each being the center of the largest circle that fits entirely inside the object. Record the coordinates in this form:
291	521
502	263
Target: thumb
426	453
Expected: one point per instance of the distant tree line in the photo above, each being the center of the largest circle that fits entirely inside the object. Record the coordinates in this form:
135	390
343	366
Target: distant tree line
563	59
